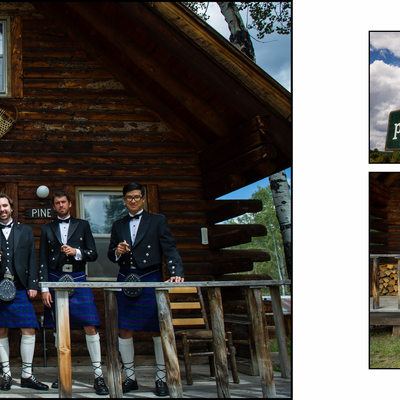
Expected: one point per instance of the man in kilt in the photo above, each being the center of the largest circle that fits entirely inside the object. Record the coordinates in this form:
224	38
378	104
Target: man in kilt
18	262
66	244
138	242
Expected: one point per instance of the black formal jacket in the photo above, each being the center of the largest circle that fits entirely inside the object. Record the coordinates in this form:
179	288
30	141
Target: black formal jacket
153	241
25	256
79	237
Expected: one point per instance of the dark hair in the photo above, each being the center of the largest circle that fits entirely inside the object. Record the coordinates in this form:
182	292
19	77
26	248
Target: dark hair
60	193
132	186
10	200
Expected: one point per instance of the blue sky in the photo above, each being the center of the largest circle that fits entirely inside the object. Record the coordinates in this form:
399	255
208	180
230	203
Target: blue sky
273	55
384	83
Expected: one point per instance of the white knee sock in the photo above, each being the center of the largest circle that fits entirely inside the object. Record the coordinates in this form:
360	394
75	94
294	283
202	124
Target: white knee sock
4	355
27	351
93	345
127	355
160	363
55	339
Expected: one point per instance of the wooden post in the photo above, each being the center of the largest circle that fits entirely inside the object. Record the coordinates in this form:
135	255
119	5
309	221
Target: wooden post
168	343
257	317
375	289
280	331
220	354
398	274
63	343
111	330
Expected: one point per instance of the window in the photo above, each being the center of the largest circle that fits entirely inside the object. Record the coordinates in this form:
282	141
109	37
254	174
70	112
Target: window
101	207
3	57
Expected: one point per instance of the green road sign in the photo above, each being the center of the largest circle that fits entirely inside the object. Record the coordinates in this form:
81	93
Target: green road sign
393	131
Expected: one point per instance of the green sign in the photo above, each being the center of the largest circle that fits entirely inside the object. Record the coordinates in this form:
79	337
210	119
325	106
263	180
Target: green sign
393	131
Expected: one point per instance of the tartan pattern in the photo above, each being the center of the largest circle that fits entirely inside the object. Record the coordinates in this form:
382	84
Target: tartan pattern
82	308
139	313
18	313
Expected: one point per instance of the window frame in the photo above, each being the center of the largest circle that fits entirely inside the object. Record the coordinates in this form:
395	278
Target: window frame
6	22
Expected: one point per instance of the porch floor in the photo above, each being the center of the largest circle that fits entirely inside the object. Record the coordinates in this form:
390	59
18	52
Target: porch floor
82	381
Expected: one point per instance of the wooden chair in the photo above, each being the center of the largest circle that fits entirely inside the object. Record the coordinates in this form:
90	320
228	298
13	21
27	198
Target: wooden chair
192	329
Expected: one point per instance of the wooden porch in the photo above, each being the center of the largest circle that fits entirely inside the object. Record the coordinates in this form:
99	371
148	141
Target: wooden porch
203	386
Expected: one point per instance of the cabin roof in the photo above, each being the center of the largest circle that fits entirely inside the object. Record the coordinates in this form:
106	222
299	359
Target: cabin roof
209	93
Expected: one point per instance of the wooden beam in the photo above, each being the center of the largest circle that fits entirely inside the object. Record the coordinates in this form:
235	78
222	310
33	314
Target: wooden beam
226	209
224	256
250	135
229	239
16	58
250	229
216	268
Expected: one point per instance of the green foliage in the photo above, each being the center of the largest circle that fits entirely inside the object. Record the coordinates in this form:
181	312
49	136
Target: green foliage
376	156
266	17
272	242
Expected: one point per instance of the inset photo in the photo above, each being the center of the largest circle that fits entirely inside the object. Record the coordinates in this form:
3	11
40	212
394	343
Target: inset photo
384	267
384	96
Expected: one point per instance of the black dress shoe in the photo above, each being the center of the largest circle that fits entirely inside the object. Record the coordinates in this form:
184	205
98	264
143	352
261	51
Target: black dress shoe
129	384
54	385
100	386
161	388
6	383
33	383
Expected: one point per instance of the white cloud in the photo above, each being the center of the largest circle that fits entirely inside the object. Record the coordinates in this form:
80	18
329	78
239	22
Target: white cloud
386	40
384	98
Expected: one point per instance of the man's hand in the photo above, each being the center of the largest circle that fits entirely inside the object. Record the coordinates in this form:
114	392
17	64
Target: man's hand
175	279
122	248
46	299
32	293
68	250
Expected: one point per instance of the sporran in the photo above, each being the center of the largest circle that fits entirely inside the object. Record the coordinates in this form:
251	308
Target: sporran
8	291
67	278
134	291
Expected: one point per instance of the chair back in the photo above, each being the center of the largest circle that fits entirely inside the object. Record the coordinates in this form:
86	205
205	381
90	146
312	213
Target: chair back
188	310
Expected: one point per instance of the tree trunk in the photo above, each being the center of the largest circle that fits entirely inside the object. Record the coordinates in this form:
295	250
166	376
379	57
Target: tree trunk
281	196
239	34
240	37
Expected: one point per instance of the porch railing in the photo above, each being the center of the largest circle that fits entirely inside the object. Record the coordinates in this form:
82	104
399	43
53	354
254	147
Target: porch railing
255	308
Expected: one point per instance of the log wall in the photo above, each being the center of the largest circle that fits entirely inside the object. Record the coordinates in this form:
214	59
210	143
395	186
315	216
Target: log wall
78	126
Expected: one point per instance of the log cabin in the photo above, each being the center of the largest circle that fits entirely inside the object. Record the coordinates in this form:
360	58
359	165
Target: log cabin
100	94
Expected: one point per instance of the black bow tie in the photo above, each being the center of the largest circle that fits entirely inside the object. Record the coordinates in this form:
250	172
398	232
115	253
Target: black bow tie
6	226
66	220
136	216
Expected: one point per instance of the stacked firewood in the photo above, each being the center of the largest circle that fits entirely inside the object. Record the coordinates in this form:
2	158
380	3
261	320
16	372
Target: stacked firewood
387	279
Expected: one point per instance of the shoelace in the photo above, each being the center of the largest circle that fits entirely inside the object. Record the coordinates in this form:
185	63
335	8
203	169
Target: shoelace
161	372
130	368
27	366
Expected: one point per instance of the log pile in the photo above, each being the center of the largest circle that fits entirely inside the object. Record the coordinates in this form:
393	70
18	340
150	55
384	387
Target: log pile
387	280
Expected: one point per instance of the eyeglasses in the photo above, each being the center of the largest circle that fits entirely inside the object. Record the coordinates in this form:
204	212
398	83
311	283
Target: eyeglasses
131	198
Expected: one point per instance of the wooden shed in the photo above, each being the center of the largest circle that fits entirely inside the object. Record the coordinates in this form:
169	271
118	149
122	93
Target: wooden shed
111	92
384	209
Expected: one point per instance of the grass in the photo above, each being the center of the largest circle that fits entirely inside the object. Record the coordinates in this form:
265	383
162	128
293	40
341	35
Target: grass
384	349
274	348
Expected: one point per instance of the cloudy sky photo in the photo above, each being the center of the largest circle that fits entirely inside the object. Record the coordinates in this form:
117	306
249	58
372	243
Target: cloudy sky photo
384	53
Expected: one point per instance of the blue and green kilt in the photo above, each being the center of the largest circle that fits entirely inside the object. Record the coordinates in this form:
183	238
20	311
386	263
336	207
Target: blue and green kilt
82	308
18	313
139	313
